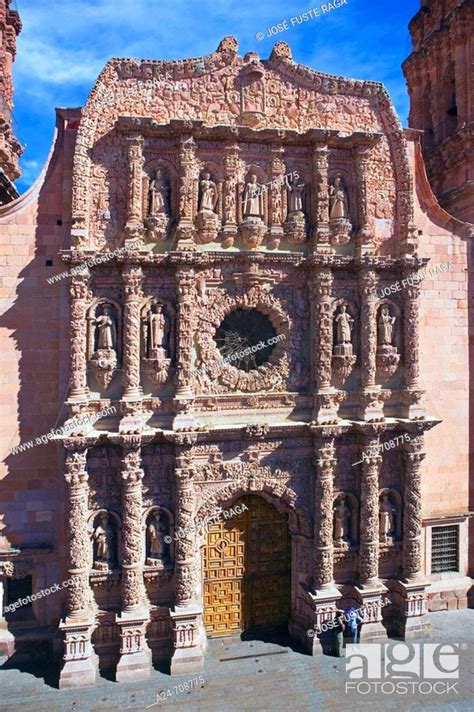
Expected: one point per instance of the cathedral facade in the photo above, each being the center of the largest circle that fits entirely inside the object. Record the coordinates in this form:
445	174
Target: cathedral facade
245	336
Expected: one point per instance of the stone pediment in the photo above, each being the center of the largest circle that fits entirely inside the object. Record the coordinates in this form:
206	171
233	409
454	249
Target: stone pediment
224	88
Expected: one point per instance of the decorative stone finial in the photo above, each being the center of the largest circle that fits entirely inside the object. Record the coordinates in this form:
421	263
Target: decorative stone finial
228	44
281	50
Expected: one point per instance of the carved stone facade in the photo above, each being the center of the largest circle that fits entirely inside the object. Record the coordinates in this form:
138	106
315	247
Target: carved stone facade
205	240
240	333
439	79
10	148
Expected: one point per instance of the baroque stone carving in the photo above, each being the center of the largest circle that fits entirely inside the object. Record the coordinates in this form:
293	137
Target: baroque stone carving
103	341
295	223
339	221
343	359
387	354
158	214
104	538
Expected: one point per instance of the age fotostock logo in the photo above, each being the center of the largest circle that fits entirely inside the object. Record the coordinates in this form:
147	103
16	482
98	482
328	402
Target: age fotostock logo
403	668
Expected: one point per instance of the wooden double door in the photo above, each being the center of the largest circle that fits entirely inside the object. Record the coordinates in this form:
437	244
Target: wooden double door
247	570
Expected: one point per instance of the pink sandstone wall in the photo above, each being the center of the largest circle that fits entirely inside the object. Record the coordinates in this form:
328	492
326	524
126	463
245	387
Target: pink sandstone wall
445	360
34	358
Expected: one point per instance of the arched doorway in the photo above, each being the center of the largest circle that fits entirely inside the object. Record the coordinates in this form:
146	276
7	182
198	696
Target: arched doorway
247	570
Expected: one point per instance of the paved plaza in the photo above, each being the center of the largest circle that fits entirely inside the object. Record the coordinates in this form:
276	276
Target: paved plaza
250	675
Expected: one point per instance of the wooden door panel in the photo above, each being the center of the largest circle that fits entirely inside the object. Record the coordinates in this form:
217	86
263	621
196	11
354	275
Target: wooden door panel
247	563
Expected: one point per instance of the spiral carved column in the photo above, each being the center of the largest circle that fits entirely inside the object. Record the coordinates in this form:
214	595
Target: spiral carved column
135	656
80	296
371	398
325	397
80	663
134	227
323	516
410	593
132	277
320	202
187	615
369	513
413	456
411	333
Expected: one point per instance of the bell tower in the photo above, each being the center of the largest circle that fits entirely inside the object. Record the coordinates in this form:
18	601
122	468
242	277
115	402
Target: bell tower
10	147
442	99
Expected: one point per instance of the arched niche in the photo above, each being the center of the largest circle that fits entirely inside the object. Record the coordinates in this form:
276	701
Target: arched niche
345	506
105	534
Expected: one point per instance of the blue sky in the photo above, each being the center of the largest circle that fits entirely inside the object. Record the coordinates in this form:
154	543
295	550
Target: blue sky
65	44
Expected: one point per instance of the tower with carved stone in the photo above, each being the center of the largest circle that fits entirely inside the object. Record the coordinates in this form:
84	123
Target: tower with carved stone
442	99
10	148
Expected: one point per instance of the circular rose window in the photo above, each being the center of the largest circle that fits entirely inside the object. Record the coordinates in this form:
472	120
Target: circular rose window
246	338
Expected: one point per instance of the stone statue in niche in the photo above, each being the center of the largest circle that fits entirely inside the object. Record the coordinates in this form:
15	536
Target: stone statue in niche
156	326
343	358
157	532
207	221
106	337
253	199
156	359
387	520
105	543
344	323
295	224
253	227
158	195
387	354
158	206
342	517
339	220
208	194
385	327
103	349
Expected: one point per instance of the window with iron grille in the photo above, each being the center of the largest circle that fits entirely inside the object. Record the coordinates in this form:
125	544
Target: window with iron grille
445	549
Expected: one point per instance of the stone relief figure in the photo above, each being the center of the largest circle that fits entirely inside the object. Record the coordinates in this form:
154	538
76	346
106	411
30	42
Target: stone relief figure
253	228
156	330
339	221
342	516
106	334
344	323
158	195
295	197
157	532
387	357
253	199
386	327
208	194
156	341
338	205
387	519
105	543
295	224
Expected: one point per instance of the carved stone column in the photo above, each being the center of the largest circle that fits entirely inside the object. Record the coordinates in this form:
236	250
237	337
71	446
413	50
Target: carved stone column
134	228
276	205
135	656
187	207
80	297
231	169
325	595
132	278
186	288
369	512
323	516
325	397
371	398
189	634
412	394
320	204
365	235
371	588
80	662
410	595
